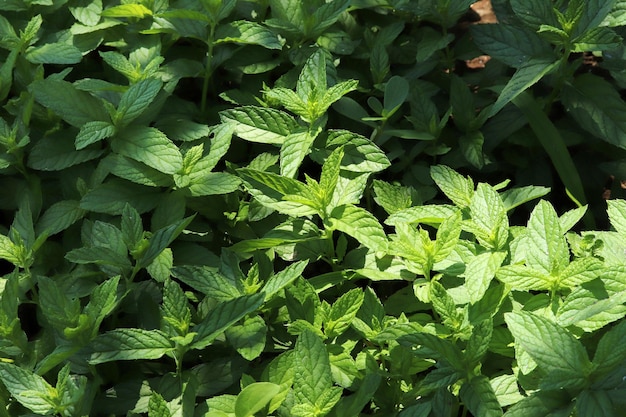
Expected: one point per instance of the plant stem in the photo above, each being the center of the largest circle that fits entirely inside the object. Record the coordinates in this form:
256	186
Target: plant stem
208	71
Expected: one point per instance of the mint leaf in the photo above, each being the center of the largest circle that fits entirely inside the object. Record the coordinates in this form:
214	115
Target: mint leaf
31	390
208	281
478	396
56	154
280	280
479	273
258	124
93	132
59	216
112	196
535	13
510	44
552	347
136	100
456	187
54	53
312	369
342	312
129	344
246	32
149	146
548	252
249	337
254	398
361	225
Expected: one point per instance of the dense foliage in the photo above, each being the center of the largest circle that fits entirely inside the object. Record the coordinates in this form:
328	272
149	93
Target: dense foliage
312	208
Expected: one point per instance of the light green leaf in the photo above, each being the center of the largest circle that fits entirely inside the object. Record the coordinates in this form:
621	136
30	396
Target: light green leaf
31	390
361	225
292	152
87	12
506	389
330	175
611	350
162	239
428	214
102	301
591	302
208	281
571	217
59	217
471	145
312	369
223	316
489	221
313	78
523	278
480	271
157	406
360	153
160	268
526	76
249	337
213	183
129	344
246	32
548	252
597	39
54	53
617	215
74	106
479	398
135	171
580	271
259	124
127	10
335	92
392	198
342	312
543	404
456	187
254	398
280	280
136	100
92	132
150	146
517	196
551	346
447	236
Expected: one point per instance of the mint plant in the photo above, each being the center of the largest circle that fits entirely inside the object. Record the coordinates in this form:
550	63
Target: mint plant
299	209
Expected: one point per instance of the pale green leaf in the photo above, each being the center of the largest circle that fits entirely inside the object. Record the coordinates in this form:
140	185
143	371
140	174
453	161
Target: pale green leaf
551	346
149	146
489	219
361	225
213	183
523	278
428	214
280	280
157	406
129	344
312	369
246	32
548	252
28	388
617	215
208	281
92	132
127	10
456	187
478	396
254	398
249	337
480	271
517	196
342	312
360	153
292	152
160	268
54	53
258	124
447	236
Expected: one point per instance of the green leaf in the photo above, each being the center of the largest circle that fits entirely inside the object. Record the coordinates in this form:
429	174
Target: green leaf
330	175
249	337
534	13
102	301
157	406
523	278
132	226
429	346
359	153
112	196
551	346
162	239
361	225
135	171
526	76
129	344
595	403
292	152
543	404
127	10
611	350
98	255
597	39
444	305
258	124
617	215
428	214
456	187
59	216
150	146
510	44
223	316
594	12
54	53
479	398
280	280
392	198
93	132
57	153
548	252
254	398
74	106
517	196
312	369
208	281
479	273
447	236
246	32
342	312
597	107
489	221
136	100
31	390
160	268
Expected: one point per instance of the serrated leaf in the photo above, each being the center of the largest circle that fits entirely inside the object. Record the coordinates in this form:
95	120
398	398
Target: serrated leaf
342	312
127	10
597	39
617	215
535	13
597	108
74	106
510	44
223	316
129	344
523	278
28	388
59	216
248	338
112	196
548	252
92	132
162	239
283	278
551	346
392	198
54	53
456	187
149	146
447	237
543	403
135	171
489	220
361	225
102	302
258	124
611	350
208	281
246	32
429	346
428	214
479	273
292	152
157	406
56	154
213	183
594	12
136	100
312	369
517	196
526	76
360	153
479	398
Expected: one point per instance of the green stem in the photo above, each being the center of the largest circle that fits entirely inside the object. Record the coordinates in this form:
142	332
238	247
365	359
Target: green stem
208	71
